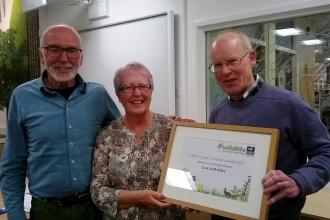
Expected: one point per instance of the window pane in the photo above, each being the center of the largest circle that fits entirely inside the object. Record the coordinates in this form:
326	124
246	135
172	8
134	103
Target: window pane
288	61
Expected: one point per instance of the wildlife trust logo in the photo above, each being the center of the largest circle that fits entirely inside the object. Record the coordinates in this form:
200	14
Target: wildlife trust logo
236	148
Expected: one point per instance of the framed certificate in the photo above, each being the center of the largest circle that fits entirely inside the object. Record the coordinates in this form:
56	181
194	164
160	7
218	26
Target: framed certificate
218	168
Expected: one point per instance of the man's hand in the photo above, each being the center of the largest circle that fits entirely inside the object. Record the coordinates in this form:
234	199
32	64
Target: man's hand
278	185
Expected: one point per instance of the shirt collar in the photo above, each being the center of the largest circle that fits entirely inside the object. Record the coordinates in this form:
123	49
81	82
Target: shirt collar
81	85
249	90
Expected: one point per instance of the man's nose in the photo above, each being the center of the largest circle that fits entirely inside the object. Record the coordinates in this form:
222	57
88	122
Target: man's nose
63	56
225	70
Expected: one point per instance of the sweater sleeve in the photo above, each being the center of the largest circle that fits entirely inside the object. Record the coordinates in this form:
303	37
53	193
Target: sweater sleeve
13	165
314	141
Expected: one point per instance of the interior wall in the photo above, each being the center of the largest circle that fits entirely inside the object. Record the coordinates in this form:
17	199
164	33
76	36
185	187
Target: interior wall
119	10
189	16
122	10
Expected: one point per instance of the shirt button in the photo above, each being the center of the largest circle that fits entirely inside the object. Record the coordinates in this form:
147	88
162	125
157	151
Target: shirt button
72	161
67	109
74	179
71	143
70	126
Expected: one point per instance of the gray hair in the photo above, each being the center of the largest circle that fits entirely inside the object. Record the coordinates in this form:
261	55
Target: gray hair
245	40
246	43
127	68
50	28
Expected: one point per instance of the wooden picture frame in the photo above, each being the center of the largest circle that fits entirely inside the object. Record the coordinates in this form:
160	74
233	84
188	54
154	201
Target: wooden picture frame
218	168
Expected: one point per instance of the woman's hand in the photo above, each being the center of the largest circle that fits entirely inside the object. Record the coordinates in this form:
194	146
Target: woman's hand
152	199
148	198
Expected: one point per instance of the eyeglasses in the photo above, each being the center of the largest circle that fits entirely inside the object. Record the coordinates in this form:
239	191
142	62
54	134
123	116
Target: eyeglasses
231	64
131	88
55	51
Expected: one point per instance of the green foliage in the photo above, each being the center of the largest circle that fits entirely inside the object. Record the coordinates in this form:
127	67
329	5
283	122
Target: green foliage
236	190
246	190
200	187
13	65
18	22
236	193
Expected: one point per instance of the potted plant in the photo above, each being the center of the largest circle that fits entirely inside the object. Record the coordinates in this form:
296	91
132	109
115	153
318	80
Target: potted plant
13	65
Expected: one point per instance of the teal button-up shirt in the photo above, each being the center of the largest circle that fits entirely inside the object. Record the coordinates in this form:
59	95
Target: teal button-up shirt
51	140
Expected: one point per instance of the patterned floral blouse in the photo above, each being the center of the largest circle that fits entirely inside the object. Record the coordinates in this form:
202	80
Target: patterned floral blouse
120	163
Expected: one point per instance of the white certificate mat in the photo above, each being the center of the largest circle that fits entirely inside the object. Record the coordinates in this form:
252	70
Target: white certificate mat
226	164
218	167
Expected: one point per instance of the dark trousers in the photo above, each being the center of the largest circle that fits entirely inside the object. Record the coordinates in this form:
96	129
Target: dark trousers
42	210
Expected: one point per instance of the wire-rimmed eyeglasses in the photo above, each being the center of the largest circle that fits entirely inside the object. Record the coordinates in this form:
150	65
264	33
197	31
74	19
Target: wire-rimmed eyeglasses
131	88
55	51
231	64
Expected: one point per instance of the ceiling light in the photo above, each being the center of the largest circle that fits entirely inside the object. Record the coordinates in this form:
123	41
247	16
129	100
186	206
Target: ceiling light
288	32
327	59
312	42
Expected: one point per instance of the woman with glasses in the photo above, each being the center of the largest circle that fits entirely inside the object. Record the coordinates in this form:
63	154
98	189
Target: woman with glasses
129	153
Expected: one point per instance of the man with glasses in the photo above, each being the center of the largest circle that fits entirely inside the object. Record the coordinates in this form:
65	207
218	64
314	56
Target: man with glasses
251	102
52	125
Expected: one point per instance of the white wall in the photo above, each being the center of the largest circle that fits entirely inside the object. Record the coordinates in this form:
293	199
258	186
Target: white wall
153	34
193	17
121	10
